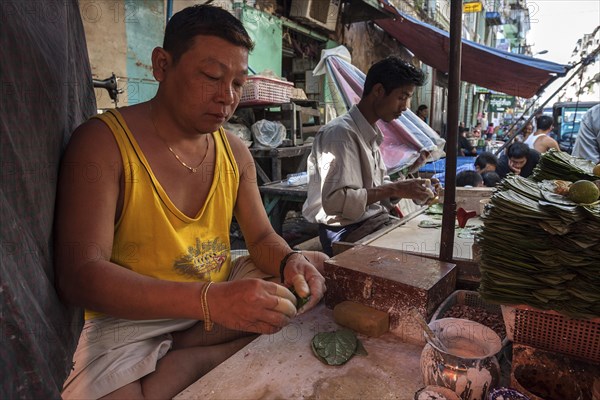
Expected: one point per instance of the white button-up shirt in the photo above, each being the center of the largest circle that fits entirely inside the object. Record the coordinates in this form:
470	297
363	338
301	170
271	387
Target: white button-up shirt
345	160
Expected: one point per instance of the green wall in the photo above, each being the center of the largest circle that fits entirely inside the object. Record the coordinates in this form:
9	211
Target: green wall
266	31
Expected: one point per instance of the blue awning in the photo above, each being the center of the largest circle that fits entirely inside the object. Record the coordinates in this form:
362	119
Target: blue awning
499	70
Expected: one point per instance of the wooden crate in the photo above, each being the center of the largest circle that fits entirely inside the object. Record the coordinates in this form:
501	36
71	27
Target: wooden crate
392	281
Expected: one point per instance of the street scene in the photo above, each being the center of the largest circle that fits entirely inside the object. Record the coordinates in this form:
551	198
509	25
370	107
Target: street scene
300	199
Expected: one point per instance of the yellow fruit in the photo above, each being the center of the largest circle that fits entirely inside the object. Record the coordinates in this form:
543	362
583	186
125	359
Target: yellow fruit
596	170
584	192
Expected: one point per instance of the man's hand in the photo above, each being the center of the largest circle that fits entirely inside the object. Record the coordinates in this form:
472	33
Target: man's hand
306	280
251	305
514	168
420	190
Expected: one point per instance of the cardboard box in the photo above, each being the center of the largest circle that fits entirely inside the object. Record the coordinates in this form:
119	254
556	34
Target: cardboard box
470	198
392	281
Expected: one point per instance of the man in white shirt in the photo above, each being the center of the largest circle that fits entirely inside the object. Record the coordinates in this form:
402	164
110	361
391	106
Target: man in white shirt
348	188
539	140
587	144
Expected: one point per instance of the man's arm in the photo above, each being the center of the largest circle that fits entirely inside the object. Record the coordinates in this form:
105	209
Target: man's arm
266	247
546	143
502	168
587	143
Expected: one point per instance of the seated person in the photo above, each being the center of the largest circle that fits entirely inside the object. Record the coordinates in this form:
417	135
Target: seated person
145	248
469	179
485	161
349	194
464	145
490	178
539	140
519	159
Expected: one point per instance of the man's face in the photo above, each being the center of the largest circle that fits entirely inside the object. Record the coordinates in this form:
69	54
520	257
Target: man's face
205	85
391	106
516	164
528	129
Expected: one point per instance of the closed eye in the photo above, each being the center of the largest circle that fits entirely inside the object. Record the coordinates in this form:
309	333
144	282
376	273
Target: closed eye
211	77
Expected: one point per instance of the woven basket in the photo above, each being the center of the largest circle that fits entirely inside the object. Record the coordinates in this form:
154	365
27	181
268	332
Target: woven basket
549	330
260	90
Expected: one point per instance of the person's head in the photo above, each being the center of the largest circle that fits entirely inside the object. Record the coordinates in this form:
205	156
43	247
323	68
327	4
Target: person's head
422	111
185	26
490	178
469	178
486	161
389	86
544	122
201	67
527	129
517	154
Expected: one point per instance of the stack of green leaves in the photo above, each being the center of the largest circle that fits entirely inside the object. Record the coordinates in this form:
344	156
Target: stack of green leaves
556	164
539	248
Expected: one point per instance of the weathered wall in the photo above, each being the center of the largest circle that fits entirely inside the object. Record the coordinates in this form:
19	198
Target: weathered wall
120	37
369	44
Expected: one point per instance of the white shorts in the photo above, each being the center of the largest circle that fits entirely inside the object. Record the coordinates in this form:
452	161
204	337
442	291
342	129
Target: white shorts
114	352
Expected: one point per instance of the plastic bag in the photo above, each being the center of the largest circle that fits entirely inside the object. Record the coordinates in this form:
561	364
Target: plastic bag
239	130
268	133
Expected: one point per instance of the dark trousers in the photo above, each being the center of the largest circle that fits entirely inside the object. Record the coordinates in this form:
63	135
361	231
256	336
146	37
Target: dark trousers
350	233
329	234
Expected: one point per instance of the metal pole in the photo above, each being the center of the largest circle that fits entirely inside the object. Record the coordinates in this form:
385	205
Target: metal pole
447	245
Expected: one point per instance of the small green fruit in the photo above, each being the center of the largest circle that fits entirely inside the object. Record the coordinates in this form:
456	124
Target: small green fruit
583	192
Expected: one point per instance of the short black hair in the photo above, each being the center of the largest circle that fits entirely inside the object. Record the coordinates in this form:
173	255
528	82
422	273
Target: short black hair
392	72
185	25
544	122
485	158
468	178
491	178
517	150
422	107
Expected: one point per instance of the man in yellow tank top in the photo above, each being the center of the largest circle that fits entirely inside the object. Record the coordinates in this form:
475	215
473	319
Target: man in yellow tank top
143	244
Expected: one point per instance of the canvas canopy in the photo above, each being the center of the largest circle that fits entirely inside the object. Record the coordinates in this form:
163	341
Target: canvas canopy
502	71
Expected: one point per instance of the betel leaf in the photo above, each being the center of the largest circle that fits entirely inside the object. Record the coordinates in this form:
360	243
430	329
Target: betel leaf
300	301
437	208
337	347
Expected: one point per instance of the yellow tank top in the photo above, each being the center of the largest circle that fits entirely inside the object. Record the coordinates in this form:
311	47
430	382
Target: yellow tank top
153	237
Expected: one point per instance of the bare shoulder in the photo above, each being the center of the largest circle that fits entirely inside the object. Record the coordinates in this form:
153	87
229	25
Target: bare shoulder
239	149
94	142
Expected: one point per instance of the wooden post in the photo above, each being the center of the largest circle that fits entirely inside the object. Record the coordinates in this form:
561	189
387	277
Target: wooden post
447	238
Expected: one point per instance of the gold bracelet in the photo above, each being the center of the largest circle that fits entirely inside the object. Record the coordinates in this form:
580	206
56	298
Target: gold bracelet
208	324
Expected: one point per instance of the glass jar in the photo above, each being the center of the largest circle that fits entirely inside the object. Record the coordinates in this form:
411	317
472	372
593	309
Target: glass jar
468	364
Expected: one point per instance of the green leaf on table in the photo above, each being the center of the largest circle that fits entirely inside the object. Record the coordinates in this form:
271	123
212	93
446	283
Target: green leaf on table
437	208
337	347
429	224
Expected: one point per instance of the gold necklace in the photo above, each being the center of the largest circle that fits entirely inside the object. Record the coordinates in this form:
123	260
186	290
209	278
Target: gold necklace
191	169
